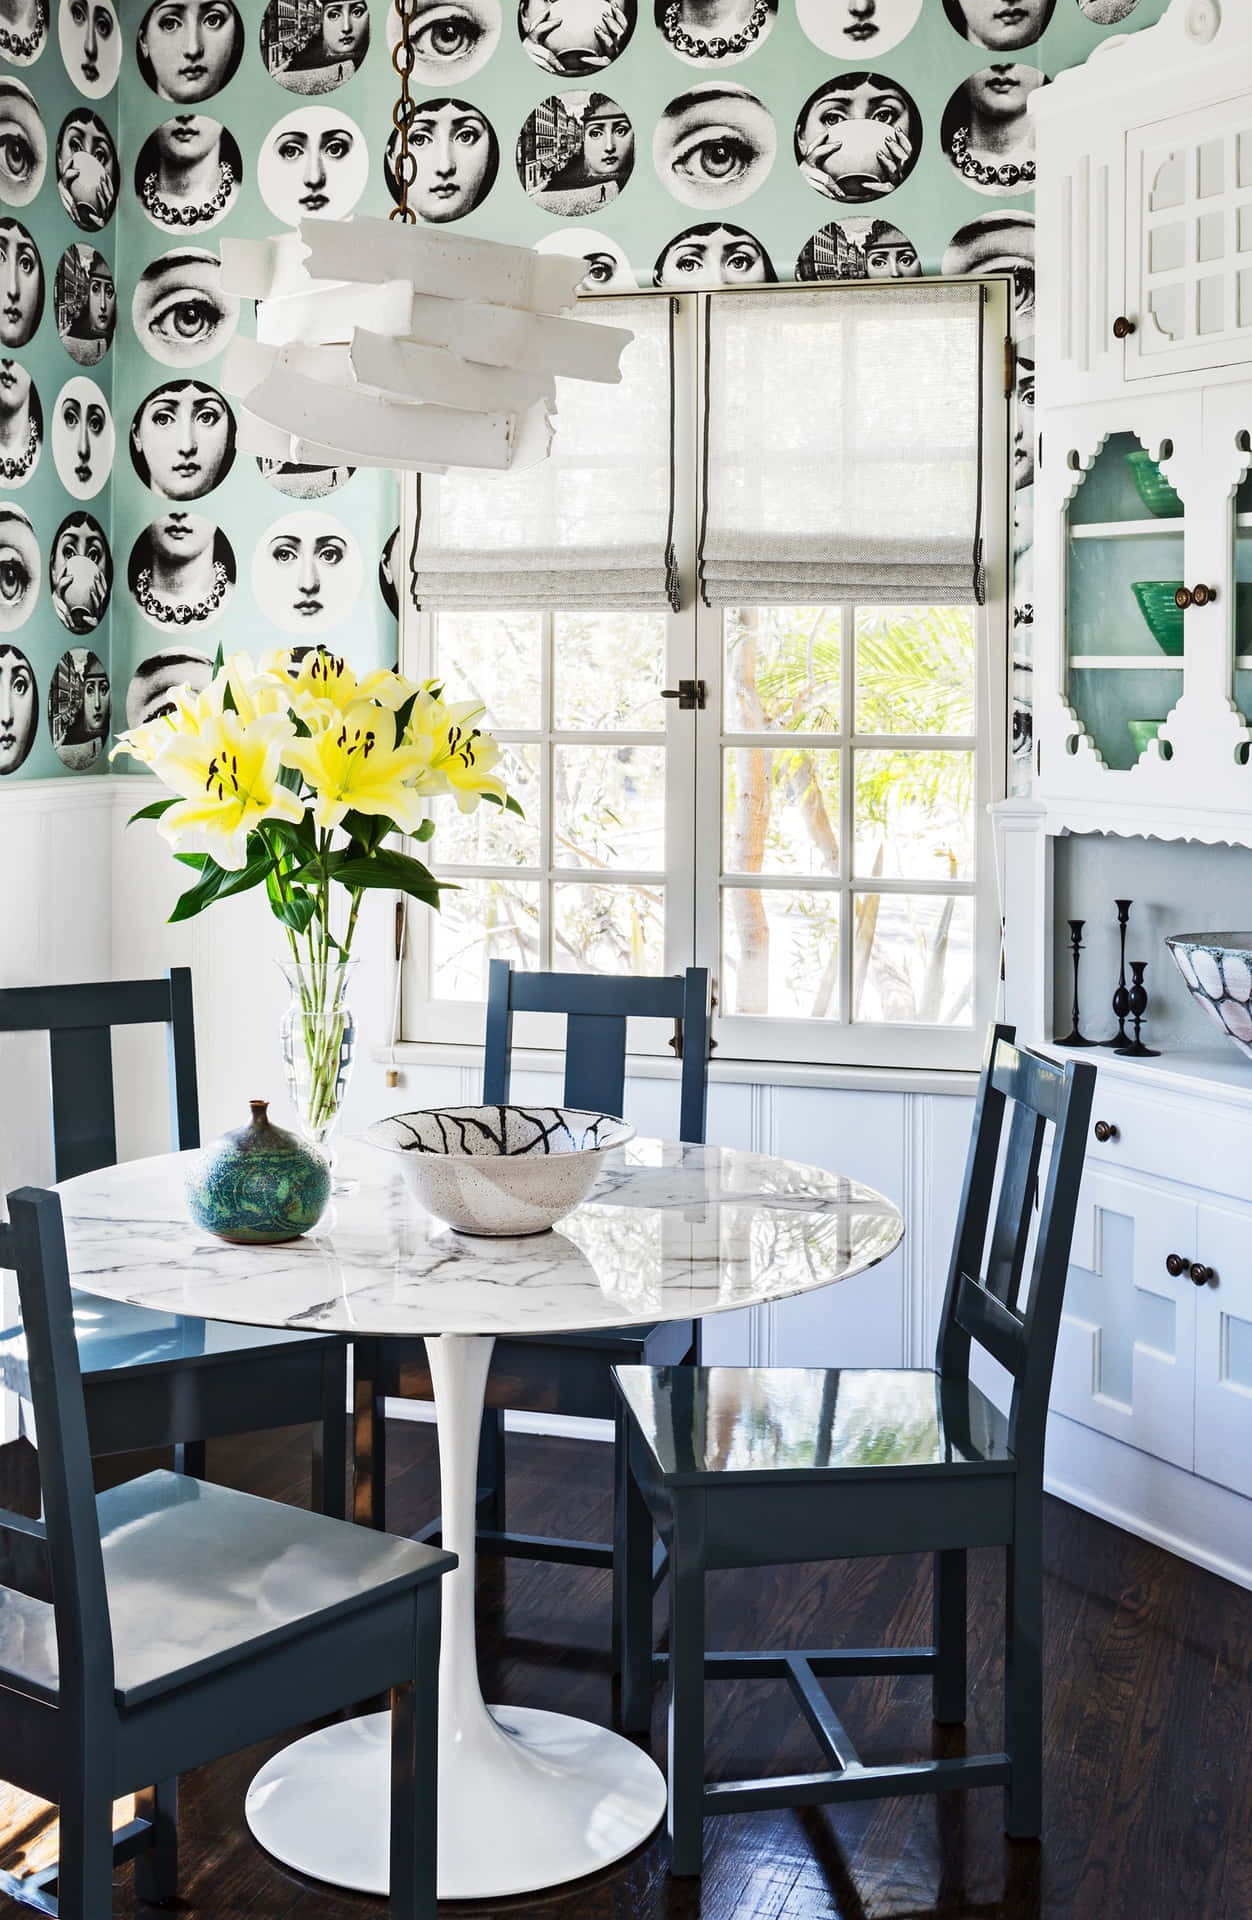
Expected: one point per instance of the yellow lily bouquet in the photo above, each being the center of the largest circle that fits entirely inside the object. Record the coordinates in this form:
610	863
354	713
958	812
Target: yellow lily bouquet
290	773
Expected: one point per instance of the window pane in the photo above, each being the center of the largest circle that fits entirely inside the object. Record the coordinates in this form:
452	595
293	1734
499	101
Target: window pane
913	959
780	953
493	657
915	815
915	670
782	669
608	807
490	837
608	671
781	810
485	920
605	929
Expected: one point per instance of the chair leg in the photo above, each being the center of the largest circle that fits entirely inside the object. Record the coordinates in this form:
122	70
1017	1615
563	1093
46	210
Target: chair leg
491	1483
330	1442
632	1591
414	1770
156	1871
1023	1675
949	1685
686	1699
84	1880
192	1458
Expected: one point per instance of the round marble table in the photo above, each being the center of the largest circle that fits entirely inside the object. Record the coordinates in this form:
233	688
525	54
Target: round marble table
527	1799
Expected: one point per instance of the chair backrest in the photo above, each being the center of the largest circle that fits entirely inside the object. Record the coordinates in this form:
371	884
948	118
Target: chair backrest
58	1559
78	1021
597	1007
983	1300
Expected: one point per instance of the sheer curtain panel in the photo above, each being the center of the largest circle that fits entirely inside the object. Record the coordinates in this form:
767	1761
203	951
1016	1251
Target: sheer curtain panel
842	447
590	527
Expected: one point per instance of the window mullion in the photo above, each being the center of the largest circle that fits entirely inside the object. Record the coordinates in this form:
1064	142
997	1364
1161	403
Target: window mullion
847	810
547	789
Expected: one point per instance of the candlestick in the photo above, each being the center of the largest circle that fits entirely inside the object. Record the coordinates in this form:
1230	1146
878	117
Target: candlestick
1075	1037
1121	994
1138	1007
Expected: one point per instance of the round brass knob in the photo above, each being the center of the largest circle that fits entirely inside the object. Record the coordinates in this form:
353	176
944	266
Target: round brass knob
1122	327
1201	1274
1104	1130
1176	1264
1183	597
1202	596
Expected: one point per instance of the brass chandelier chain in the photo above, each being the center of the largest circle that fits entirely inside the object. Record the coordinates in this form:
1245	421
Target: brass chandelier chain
402	60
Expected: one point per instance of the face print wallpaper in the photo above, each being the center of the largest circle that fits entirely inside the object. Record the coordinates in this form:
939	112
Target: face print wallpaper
676	143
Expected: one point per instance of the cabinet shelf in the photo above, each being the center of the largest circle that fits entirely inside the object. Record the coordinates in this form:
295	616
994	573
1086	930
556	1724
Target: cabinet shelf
1133	529
1127	663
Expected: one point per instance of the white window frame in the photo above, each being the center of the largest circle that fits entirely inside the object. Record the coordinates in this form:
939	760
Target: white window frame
695	742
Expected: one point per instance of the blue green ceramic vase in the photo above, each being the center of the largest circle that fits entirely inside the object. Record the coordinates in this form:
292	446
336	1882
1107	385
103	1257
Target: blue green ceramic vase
258	1184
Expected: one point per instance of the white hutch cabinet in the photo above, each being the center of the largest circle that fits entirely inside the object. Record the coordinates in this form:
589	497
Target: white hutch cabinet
1143	727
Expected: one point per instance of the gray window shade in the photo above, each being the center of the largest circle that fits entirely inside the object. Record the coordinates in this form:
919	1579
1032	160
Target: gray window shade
842	434
591	526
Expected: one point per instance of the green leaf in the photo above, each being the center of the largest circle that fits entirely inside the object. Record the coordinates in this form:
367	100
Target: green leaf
425	830
197	860
396	872
153	810
219	883
295	911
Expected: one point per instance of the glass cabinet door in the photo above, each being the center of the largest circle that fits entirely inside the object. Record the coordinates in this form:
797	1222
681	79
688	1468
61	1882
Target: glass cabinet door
1124	565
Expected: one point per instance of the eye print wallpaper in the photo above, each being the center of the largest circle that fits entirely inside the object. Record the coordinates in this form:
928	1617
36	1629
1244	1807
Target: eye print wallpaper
674	143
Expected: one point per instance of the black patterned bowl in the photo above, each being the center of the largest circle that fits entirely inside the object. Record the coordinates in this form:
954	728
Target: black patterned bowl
1217	968
501	1171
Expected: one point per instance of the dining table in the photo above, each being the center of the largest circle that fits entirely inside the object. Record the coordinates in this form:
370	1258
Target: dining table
528	1799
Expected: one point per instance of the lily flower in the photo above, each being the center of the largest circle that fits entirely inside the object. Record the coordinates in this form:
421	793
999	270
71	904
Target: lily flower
189	709
312	678
228	776
356	766
462	755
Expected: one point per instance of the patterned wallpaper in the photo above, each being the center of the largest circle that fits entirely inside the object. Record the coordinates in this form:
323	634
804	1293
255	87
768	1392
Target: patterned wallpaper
685	143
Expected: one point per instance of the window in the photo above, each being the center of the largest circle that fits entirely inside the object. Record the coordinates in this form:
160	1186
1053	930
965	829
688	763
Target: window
816	832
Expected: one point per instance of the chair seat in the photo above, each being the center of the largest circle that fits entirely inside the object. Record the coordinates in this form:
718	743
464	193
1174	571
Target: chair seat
714	1424
199	1575
115	1338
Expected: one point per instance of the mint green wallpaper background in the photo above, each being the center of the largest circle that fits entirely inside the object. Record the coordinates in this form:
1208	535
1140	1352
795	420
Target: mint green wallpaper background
782	212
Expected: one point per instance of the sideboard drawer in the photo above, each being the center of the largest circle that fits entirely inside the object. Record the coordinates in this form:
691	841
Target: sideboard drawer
1206	1144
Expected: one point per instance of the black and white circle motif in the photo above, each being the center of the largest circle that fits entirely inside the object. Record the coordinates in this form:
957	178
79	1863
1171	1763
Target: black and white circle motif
999	243
19	702
574	38
713	254
313	162
83	438
21	567
87	170
858	137
182	439
454	155
986	131
314	47
736	30
387	583
179	313
188	50
84	300
23	145
23	31
78	708
21	285
155	680
91	45
714	145
856	29
451	39
182	571
299	481
575	153
80	572
1106	13
608	269
306	572
998	27
188	173
859	248
21	425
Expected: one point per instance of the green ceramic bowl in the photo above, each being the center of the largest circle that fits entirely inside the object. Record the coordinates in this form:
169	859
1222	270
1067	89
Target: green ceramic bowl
1155	599
1142	732
1152	487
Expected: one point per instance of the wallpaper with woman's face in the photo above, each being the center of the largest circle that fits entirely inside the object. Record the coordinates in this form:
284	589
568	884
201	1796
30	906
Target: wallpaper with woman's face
669	143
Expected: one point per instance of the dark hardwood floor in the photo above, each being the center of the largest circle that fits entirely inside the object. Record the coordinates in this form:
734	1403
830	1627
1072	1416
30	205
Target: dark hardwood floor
1149	1732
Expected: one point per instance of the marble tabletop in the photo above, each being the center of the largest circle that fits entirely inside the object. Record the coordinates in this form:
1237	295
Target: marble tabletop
670	1232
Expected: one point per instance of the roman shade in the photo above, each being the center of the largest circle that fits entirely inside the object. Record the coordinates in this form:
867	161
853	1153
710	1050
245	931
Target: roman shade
842	433
592	526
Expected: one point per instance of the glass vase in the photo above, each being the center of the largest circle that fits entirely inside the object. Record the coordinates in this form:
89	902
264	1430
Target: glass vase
319	1044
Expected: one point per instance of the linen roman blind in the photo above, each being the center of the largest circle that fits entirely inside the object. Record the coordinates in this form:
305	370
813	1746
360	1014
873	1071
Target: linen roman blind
591	526
842	436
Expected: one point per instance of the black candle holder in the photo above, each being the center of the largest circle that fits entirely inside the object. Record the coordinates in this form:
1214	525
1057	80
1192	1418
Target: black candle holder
1138	1007
1120	1041
1075	1038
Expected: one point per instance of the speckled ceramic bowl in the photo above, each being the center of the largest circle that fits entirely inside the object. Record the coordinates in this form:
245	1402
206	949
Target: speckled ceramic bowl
501	1171
1217	968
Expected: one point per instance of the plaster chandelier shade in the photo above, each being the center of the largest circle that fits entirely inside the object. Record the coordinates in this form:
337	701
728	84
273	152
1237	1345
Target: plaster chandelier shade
389	346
